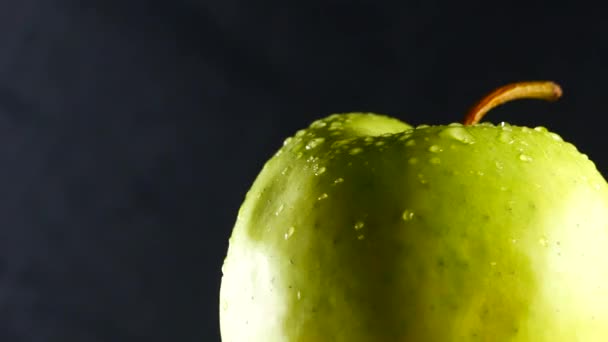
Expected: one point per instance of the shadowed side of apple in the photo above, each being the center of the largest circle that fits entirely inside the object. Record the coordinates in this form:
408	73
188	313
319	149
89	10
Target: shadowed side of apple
363	228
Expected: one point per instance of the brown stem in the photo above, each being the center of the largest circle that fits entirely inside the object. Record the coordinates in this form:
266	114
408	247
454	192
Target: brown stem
544	90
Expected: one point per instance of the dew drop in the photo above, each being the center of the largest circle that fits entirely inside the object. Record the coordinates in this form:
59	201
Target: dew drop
356	150
422	126
524	157
287	141
458	133
289	232
312	159
543	242
435	160
498	165
279	210
320	170
413	160
422	179
435	148
405	136
322	197
299	295
300	133
359	225
379	143
318	124
338	180
410	143
314	143
285	170
493	263
541	129
407	215
360	237
555	136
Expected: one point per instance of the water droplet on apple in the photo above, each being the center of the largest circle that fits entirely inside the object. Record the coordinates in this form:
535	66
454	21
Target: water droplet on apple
555	136
313	159
322	197
356	150
524	157
338	180
459	133
318	124
435	160
541	129
405	135
319	170
299	295
407	215
422	179
413	160
300	133
435	148
455	124
493	263
289	232
410	142
423	126
285	170
359	225
379	143
314	143
360	237
498	165
543	241
279	210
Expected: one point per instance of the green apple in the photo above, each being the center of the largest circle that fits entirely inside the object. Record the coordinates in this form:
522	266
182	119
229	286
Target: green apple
363	228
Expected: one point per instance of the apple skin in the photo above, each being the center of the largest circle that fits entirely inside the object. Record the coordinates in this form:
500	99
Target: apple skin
362	228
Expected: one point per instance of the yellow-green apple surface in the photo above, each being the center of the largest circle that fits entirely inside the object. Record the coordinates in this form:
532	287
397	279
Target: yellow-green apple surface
363	228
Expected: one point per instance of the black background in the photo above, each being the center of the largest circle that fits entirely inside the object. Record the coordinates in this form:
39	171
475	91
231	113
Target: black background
131	130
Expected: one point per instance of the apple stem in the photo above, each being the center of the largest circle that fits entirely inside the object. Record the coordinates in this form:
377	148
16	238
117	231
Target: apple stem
544	90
